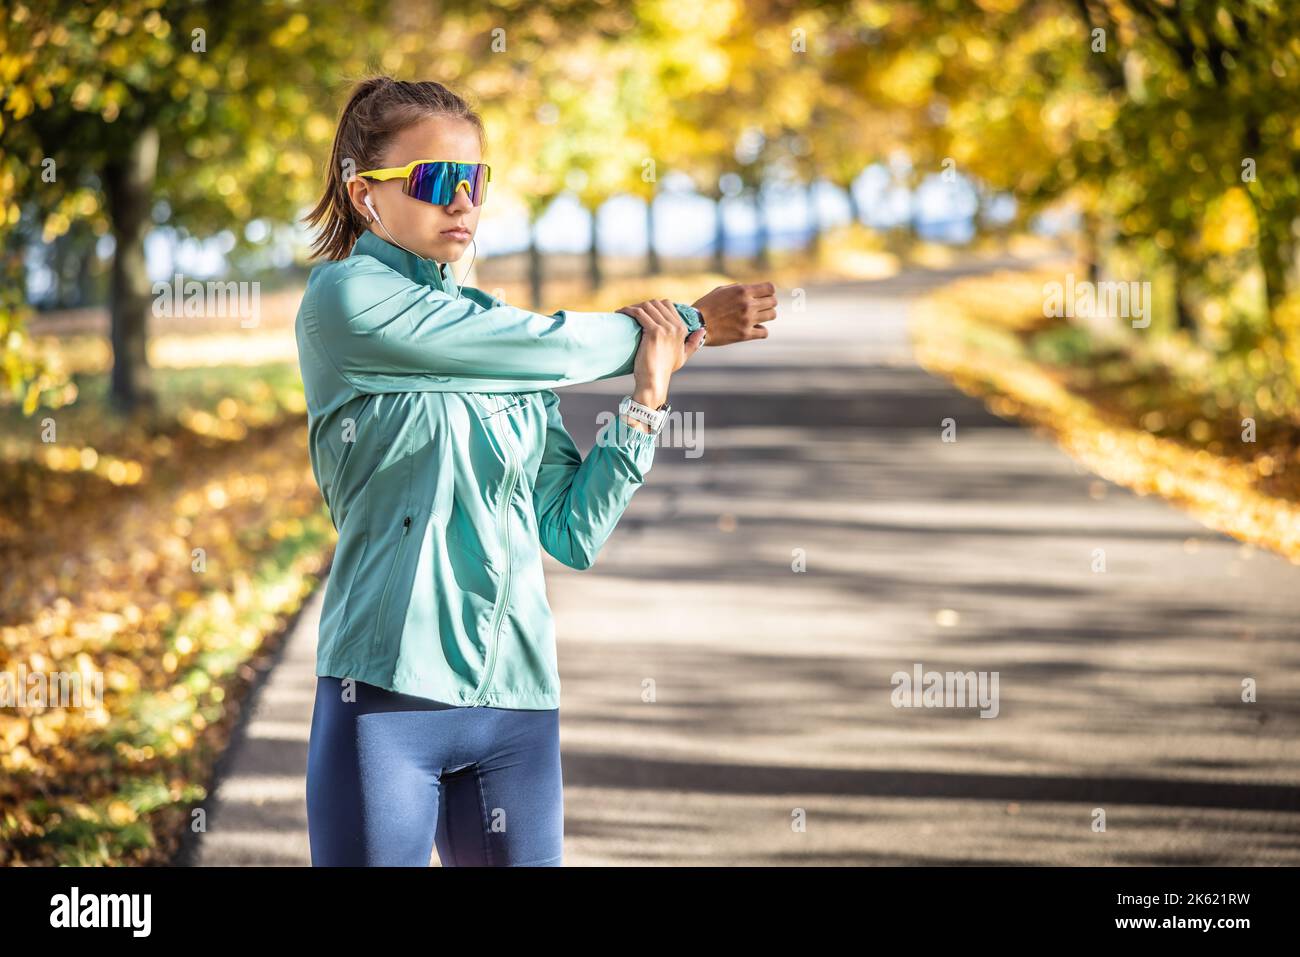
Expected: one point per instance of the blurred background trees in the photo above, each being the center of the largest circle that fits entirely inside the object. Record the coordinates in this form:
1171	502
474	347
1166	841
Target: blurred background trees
125	117
1159	130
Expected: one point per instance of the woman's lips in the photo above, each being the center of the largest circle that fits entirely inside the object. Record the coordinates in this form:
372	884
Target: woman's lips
456	233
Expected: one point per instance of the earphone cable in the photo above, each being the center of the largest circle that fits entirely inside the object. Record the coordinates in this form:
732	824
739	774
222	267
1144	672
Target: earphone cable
417	255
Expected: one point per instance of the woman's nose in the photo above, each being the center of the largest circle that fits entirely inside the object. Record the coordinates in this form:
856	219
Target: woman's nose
461	201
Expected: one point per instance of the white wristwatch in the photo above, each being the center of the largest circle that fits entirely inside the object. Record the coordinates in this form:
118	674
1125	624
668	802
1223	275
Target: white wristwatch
655	418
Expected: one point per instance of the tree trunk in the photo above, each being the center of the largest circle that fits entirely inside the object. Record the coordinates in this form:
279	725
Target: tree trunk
128	183
60	253
653	266
761	258
1276	258
84	292
855	208
1091	253
594	278
1182	309
814	222
719	238
534	267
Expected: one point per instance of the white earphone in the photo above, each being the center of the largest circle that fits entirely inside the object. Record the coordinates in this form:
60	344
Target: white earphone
371	206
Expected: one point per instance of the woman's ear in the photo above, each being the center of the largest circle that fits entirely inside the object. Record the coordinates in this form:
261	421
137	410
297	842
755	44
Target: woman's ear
357	193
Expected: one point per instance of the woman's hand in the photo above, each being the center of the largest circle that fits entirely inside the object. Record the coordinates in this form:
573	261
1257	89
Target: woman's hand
735	313
664	348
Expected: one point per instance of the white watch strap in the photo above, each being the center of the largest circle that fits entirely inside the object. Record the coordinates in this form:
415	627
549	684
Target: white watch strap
643	413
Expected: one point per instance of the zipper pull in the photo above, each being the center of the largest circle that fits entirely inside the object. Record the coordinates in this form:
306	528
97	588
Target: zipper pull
406	524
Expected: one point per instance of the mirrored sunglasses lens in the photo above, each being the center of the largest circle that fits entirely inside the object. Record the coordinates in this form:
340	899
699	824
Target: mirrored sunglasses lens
430	183
480	181
469	174
436	182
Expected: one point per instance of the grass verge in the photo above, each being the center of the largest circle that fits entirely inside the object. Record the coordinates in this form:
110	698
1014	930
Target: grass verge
1154	413
163	558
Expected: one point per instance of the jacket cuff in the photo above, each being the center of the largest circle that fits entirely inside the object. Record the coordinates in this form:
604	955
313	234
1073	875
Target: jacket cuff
690	315
640	445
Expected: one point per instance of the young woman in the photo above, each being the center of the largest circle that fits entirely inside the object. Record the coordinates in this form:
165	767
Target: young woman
438	446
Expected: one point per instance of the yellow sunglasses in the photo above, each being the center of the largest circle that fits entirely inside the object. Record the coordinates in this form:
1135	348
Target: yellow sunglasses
436	181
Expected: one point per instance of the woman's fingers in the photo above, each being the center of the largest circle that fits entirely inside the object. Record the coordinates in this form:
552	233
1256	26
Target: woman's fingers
668	314
648	314
638	313
660	318
693	343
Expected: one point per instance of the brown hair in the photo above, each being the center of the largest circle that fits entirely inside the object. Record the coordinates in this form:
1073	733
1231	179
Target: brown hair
378	108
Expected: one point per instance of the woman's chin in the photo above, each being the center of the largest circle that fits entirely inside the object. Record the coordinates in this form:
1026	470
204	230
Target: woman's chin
449	250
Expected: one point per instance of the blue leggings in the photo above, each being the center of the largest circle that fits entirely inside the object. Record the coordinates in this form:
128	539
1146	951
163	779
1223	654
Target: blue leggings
389	774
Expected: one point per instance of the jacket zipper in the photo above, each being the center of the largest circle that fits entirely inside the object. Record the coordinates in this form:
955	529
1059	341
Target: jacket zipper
383	599
504	597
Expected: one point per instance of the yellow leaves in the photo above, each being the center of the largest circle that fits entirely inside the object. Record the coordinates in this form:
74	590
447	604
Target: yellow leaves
1225	493
1229	224
708	19
293	163
908	80
82	95
154	24
289	32
319	129
106	19
133	585
121	813
20	102
281	530
71	459
979	50
46	727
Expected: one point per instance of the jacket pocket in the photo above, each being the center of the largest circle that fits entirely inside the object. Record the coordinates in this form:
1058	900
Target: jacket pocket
387	598
397	583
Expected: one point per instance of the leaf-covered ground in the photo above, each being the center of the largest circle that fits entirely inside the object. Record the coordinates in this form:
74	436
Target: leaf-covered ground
1218	434
165	557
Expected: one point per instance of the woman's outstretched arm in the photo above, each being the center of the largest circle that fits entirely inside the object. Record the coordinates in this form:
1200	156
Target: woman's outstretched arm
383	332
579	501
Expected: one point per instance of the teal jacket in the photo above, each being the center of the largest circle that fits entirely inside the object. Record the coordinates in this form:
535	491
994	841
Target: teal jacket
437	443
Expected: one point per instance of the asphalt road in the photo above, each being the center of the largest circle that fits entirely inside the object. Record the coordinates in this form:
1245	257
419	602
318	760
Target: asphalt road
721	707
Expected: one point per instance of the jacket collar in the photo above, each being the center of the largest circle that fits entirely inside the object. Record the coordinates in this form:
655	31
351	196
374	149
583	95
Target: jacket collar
424	271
